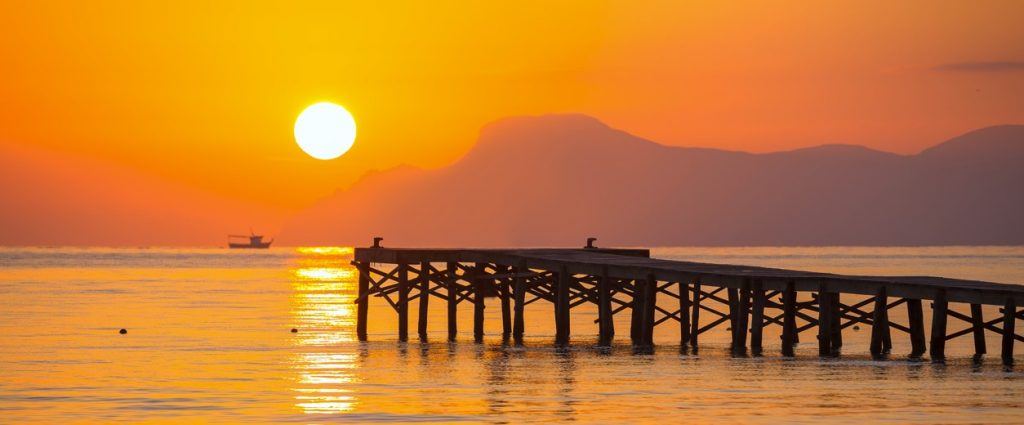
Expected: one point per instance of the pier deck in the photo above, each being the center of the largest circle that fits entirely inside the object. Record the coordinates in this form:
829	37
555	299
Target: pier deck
745	298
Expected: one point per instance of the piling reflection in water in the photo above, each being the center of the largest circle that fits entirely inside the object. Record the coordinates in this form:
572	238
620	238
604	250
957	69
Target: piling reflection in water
321	305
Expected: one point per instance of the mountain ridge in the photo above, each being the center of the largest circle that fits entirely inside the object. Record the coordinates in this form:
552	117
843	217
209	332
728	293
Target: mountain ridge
556	179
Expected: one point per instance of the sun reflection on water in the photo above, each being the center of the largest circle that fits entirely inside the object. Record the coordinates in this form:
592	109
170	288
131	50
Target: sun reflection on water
323	291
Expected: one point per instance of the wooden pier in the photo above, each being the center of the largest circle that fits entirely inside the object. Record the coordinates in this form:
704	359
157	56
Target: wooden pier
657	292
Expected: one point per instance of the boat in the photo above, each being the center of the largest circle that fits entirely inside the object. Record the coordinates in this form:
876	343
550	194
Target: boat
255	242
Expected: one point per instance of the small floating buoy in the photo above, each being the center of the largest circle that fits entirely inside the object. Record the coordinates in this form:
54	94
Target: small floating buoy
122	331
295	330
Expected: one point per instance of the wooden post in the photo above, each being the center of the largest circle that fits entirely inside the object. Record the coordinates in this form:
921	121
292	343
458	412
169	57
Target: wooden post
742	320
880	323
562	307
824	323
604	309
915	318
519	293
452	282
1009	315
650	307
788	319
978	327
478	302
506	306
403	302
939	312
636	311
695	317
757	318
886	331
684	313
732	296
364	301
837	325
424	299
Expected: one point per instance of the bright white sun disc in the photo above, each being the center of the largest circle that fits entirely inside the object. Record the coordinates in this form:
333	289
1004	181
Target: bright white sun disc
325	130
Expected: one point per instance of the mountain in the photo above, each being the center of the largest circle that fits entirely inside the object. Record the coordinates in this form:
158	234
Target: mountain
53	198
556	179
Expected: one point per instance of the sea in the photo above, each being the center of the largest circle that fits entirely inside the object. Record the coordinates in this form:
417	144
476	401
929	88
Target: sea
209	340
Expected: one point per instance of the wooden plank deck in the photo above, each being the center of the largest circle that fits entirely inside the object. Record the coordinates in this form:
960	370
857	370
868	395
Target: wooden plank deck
636	264
627	280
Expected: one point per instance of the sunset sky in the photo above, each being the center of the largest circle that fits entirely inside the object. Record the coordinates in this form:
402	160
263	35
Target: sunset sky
204	95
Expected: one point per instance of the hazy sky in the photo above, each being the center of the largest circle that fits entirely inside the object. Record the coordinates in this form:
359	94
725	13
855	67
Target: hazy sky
205	94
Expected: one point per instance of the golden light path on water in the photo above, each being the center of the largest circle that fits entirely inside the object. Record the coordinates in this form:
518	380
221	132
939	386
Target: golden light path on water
322	305
208	341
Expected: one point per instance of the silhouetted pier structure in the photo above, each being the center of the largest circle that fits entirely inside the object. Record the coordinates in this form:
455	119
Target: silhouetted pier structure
657	292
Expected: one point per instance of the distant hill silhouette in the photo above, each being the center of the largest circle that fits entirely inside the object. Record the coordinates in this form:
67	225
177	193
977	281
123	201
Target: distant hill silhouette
553	180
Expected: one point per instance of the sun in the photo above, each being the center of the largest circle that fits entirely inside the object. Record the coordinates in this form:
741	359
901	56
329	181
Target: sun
325	130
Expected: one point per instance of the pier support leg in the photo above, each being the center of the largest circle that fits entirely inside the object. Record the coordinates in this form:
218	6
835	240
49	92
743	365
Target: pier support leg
825	324
695	317
452	282
978	328
364	302
757	319
788	319
403	302
684	314
650	306
506	307
733	297
636	311
940	307
739	334
604	309
562	307
915	318
519	293
421	325
478	303
1009	315
837	325
880	324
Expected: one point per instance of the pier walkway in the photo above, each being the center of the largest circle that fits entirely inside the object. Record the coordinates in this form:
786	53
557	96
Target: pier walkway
656	292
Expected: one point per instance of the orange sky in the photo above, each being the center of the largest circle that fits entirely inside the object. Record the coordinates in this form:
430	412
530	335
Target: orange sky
205	94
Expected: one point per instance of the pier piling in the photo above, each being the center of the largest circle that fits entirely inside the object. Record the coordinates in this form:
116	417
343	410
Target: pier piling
742	298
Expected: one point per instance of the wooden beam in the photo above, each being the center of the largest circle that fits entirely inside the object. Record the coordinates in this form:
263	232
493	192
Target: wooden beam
636	311
937	348
363	308
519	293
684	313
695	315
757	318
505	292
424	298
825	324
403	302
837	325
880	324
1009	316
478	301
742	320
978	328
915	318
562	307
606	324
788	319
453	300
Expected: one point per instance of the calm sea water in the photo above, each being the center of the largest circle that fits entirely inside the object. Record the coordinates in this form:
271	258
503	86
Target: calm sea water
208	340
